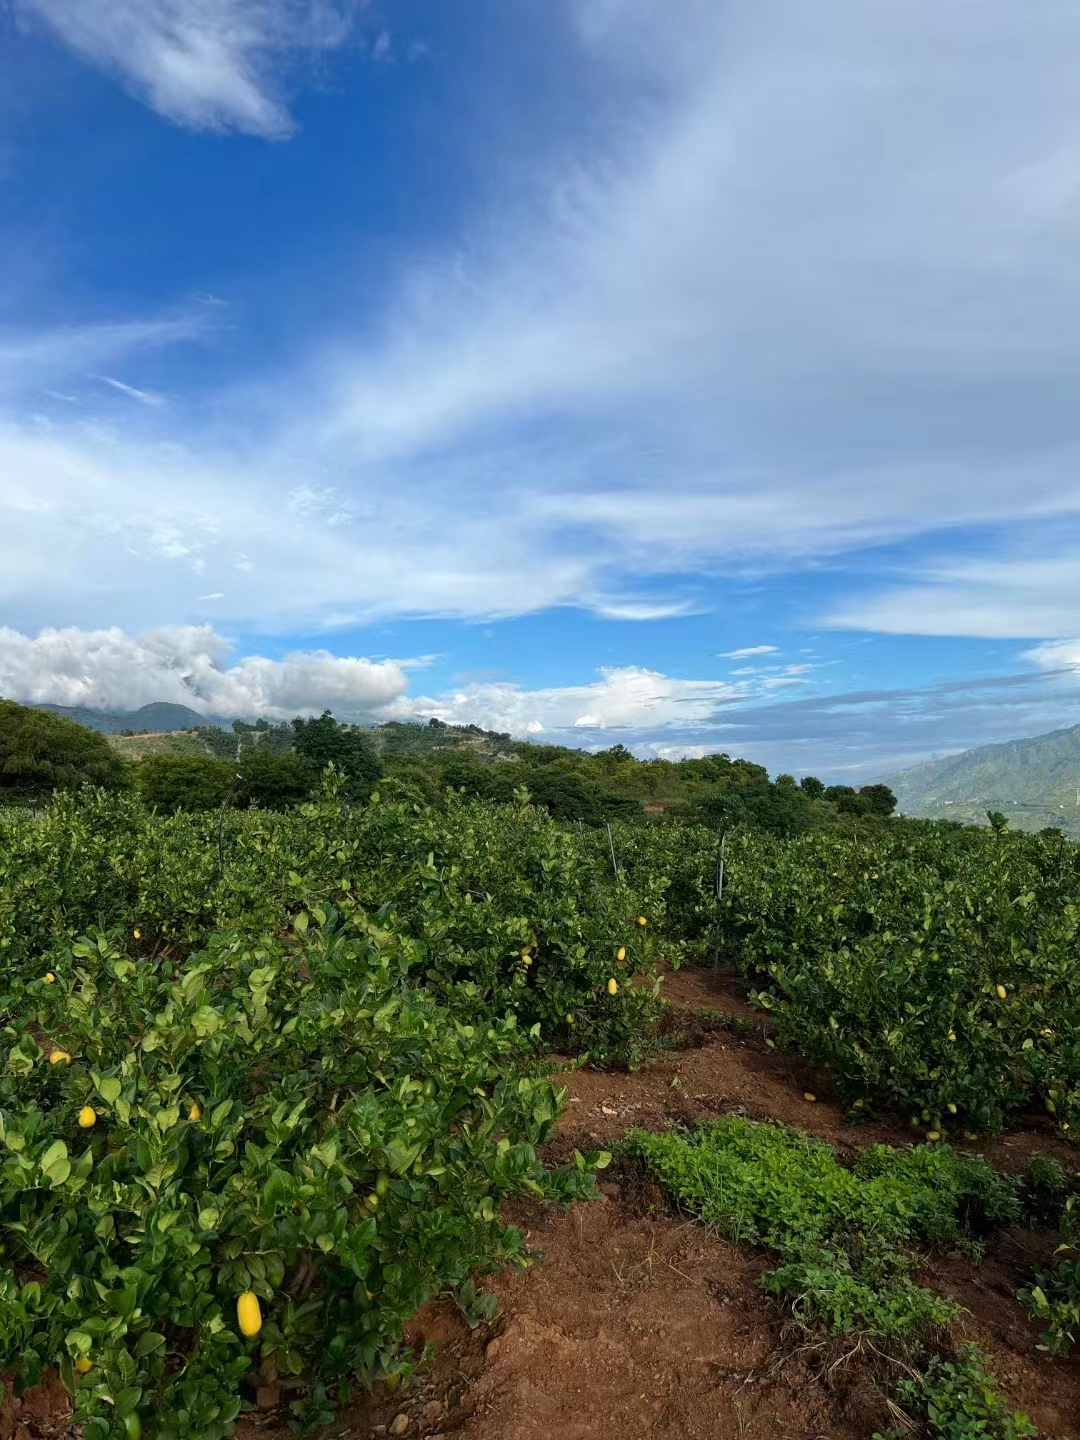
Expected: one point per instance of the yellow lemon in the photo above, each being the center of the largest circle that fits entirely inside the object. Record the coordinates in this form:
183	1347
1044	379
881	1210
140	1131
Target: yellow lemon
952	1034
641	920
195	1113
87	1117
613	986
620	954
525	954
569	1019
1001	992
1045	1033
858	1105
951	1109
83	1365
933	1134
137	934
249	1313
812	1099
56	1056
373	1201
50	978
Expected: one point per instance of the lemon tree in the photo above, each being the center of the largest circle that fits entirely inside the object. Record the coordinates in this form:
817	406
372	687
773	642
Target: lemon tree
283	1128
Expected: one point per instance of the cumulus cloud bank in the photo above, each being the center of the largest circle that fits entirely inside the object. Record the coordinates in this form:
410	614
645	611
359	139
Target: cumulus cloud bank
188	665
204	63
192	665
626	697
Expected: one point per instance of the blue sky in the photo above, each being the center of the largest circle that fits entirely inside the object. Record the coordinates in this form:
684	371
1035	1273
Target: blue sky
525	363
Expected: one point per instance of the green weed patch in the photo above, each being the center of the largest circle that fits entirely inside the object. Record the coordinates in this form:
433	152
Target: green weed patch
843	1237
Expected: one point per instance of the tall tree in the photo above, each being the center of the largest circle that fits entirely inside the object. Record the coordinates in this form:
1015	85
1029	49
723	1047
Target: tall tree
41	752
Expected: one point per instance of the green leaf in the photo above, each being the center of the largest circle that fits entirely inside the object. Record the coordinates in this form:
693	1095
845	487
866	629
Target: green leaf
127	1401
56	1151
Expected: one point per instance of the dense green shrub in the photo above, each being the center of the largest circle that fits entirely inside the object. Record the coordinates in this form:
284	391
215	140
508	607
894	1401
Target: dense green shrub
275	781
286	1116
185	782
934	969
510	909
41	752
324	742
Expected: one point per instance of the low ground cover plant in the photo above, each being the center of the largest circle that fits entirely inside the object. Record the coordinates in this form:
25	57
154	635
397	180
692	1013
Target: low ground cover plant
847	1240
844	1237
958	1400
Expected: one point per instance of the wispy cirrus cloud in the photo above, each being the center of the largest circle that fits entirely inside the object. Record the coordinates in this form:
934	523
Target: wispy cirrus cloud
32	358
208	64
144	397
1031	592
806	291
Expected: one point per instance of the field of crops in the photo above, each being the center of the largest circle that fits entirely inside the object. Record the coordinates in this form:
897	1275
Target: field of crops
935	970
267	1081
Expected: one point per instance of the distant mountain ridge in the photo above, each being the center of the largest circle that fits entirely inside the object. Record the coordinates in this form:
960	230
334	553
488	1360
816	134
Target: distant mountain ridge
154	719
1034	781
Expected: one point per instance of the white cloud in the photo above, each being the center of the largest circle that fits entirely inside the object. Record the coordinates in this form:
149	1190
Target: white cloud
109	669
749	650
144	397
188	665
32	358
812	294
208	64
1017	597
626	697
1056	655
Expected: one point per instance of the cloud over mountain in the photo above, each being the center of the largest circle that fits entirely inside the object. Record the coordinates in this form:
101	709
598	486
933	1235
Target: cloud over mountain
188	665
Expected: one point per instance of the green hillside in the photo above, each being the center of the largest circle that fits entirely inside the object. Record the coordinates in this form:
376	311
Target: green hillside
157	718
1035	782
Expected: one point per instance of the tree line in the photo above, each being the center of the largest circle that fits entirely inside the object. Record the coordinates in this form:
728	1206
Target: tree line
279	765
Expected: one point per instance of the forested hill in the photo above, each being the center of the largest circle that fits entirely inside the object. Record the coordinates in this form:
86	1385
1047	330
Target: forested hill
1035	782
277	764
156	719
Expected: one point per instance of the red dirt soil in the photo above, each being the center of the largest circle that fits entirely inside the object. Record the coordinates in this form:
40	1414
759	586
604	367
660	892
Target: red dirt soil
636	1324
